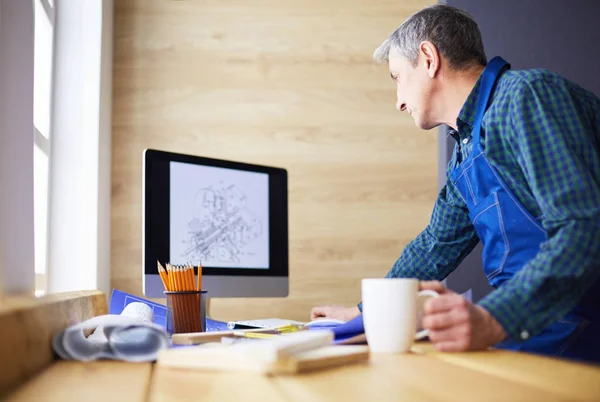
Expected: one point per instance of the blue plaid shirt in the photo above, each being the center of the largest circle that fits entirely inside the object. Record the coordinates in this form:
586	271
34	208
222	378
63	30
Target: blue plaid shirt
545	145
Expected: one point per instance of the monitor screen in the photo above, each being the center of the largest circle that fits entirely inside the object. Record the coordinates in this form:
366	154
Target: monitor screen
219	216
231	217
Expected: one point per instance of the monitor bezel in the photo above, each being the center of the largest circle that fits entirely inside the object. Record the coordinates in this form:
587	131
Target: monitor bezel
156	213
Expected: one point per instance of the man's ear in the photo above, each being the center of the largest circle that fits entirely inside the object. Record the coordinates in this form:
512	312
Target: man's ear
430	57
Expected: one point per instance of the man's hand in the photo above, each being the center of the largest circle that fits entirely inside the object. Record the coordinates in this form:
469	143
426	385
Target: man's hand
336	312
455	324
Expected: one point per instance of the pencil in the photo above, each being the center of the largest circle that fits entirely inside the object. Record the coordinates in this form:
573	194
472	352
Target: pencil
163	275
177	278
192	278
199	285
171	277
198	297
195	301
189	278
181	316
189	299
183	279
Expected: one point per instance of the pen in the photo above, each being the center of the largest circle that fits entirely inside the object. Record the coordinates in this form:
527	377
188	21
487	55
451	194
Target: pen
287	328
256	335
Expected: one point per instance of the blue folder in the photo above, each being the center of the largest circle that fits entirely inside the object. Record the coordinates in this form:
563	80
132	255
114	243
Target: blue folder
119	299
345	331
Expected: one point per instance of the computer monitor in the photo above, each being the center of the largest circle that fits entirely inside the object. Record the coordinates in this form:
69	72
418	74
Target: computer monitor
229	216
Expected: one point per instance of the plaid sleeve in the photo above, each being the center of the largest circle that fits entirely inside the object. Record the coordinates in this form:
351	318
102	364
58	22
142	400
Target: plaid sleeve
554	145
446	241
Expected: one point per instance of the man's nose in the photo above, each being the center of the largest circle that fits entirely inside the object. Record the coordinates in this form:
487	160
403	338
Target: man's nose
401	106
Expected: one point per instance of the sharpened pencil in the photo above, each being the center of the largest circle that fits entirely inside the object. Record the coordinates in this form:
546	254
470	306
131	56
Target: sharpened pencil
163	276
199	285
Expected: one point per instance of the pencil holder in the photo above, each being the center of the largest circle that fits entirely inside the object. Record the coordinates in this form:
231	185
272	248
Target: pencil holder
186	311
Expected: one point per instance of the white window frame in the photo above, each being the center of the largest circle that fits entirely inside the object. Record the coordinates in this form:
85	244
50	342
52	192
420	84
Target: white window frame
78	230
42	110
80	163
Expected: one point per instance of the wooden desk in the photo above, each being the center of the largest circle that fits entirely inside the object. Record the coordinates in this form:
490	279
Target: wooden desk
423	375
420	376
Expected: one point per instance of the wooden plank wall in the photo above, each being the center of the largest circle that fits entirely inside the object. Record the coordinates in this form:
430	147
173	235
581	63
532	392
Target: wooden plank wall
284	83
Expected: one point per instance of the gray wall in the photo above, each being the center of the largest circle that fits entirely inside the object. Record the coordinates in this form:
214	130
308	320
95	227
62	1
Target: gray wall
560	35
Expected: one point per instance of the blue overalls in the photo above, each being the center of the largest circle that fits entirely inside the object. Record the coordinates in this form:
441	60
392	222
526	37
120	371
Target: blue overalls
511	237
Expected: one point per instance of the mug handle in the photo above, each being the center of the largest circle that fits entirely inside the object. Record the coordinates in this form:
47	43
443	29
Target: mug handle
421	297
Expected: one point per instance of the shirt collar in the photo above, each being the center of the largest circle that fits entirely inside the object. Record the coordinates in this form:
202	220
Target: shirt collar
466	116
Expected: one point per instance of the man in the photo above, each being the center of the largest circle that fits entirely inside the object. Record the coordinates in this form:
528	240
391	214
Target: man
524	180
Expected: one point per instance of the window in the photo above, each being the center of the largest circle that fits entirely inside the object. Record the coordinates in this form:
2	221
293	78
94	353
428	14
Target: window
42	106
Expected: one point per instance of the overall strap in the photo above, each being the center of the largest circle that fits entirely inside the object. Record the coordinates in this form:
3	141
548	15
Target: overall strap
490	75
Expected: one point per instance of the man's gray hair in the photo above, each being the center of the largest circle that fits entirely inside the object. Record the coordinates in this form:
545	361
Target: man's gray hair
453	32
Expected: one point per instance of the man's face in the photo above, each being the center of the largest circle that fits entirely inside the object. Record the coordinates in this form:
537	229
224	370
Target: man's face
413	89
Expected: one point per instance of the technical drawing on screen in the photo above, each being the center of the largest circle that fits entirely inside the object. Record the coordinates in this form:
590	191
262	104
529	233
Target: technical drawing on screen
219	217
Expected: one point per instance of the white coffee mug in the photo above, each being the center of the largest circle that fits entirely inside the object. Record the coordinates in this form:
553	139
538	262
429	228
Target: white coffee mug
390	309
